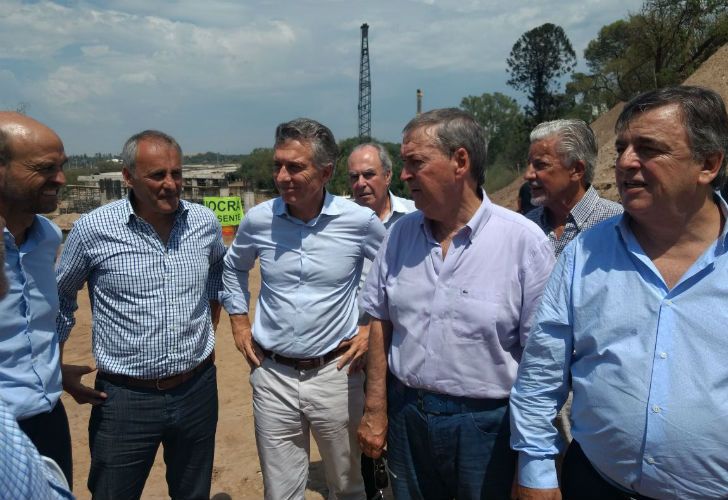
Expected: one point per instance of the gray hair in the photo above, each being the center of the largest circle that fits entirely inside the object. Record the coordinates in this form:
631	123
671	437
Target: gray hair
576	143
129	151
453	128
384	157
703	115
320	137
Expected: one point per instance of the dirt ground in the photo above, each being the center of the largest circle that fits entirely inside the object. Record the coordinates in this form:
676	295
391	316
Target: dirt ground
236	473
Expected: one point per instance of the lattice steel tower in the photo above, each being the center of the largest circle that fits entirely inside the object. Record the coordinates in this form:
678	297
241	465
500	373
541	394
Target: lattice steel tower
365	88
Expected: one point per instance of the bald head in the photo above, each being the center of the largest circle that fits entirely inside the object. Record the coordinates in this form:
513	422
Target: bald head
31	169
18	128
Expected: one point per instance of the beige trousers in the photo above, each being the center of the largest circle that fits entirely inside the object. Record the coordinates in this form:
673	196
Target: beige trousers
289	405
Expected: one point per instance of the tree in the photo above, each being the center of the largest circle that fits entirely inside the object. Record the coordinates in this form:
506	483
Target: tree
660	45
504	123
539	59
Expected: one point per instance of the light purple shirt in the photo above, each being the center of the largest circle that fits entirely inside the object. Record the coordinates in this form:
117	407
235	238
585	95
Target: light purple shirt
459	324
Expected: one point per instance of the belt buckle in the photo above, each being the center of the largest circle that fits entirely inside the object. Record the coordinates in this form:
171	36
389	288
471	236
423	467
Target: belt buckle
156	384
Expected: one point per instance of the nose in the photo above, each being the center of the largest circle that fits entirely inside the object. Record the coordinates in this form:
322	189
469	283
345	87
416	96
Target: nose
530	173
627	158
59	178
405	175
358	182
281	175
169	181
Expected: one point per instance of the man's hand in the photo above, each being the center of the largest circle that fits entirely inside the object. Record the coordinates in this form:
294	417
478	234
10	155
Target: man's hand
538	494
356	354
243	336
372	432
72	384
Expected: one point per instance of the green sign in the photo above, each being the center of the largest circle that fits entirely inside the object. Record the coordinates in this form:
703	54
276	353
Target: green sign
229	209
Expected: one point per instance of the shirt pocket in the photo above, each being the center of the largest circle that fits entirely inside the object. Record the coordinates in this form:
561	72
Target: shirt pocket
475	314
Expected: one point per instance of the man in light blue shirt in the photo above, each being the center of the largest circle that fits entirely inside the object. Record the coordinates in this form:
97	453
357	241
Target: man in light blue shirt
452	292
153	264
31	173
24	474
311	247
632	317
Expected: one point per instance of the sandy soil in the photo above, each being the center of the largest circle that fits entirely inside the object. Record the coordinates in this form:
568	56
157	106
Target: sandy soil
236	473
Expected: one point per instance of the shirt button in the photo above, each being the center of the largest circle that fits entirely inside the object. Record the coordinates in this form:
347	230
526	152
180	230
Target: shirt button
655	408
663	355
668	302
650	460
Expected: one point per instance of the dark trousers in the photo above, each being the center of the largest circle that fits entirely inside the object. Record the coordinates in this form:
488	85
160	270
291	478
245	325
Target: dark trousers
443	447
51	435
580	480
125	432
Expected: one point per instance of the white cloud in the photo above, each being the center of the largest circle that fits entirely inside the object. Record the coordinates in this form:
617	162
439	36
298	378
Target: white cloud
112	61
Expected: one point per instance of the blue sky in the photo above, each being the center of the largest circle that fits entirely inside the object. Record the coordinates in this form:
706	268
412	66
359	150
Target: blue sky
220	75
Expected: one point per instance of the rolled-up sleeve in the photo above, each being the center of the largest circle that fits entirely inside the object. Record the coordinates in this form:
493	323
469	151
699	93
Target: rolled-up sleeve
542	383
72	272
239	260
217	254
373	297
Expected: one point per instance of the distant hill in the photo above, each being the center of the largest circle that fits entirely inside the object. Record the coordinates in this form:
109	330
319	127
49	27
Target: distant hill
712	74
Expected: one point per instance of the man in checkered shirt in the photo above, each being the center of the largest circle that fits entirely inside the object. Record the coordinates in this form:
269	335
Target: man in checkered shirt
153	264
560	171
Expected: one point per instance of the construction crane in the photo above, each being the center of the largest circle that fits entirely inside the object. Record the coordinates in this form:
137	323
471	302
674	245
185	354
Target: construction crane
365	88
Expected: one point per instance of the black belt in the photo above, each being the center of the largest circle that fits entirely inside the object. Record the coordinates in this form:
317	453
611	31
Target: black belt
160	384
306	363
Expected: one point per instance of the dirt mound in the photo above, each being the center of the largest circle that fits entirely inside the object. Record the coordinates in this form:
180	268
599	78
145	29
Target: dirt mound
712	74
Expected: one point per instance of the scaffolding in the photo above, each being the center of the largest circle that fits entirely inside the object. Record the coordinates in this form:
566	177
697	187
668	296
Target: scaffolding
365	88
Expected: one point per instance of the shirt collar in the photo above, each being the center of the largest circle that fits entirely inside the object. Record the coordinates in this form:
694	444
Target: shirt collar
396	205
623	225
581	211
33	236
476	223
128	213
280	208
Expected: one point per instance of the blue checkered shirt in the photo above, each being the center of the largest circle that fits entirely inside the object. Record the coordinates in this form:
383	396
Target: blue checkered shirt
23	474
590	211
150	301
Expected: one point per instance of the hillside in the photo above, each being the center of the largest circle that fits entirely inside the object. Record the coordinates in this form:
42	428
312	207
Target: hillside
712	74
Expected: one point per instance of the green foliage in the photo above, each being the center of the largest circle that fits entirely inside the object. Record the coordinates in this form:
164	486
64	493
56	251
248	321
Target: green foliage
256	168
539	59
662	44
211	158
505	126
499	176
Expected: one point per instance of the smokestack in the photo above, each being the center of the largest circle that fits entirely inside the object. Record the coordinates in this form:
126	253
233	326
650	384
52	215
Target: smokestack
419	100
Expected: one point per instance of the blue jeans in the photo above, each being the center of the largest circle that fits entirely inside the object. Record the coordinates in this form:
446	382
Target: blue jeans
444	447
125	432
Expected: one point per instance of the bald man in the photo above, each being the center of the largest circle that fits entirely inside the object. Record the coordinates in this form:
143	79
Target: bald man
31	173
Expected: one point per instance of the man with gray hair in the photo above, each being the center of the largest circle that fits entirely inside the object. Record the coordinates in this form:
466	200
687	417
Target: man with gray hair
560	170
311	247
370	174
452	291
633	319
153	264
